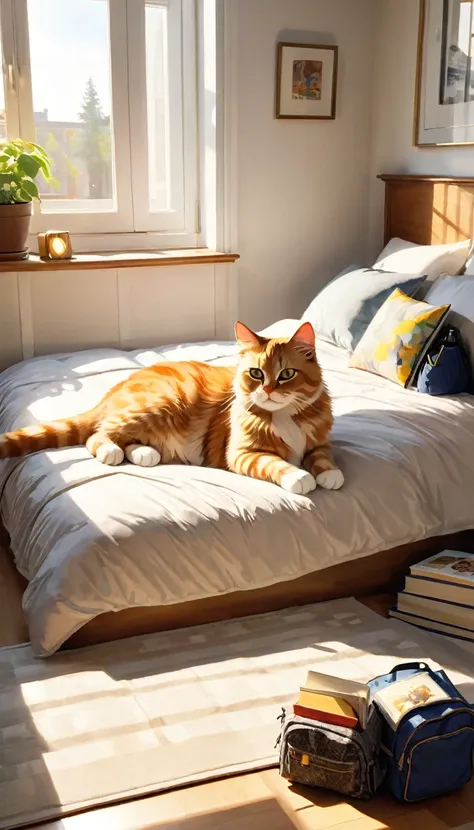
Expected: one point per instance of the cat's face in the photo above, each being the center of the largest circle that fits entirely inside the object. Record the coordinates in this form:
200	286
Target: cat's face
277	373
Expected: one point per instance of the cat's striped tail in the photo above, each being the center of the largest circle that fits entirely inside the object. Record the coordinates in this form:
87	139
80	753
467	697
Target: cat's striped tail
66	433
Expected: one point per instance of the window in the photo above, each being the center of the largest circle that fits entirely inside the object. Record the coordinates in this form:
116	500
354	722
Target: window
108	88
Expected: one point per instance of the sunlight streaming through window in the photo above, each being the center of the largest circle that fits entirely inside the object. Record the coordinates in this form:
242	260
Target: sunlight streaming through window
72	108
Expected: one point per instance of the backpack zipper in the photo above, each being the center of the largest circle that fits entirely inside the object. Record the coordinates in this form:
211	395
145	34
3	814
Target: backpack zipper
309	759
282	719
306	722
433	720
322	761
427	740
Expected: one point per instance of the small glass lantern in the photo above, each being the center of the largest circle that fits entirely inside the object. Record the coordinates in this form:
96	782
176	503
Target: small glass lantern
54	245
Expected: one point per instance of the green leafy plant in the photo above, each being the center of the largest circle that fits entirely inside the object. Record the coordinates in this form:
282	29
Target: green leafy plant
20	163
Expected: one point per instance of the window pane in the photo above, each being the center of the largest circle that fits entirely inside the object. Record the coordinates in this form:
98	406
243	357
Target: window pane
70	69
3	119
157	105
457	73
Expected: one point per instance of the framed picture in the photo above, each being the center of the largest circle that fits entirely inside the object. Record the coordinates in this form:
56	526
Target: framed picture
444	101
306	81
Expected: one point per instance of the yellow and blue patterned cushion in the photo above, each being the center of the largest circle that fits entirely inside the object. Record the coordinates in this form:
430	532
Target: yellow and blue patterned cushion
398	337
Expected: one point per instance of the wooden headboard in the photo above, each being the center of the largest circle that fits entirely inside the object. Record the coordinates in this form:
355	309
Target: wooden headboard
428	210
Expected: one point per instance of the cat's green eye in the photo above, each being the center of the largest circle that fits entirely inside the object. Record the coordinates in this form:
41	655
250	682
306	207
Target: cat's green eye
286	374
256	374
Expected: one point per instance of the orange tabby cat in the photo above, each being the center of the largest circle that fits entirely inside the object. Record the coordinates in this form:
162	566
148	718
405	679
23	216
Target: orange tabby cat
264	418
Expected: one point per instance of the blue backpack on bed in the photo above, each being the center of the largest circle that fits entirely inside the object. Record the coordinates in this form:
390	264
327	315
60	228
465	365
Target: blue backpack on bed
430	752
446	369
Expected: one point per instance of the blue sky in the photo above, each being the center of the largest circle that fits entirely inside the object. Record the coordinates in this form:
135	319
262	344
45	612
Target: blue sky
69	43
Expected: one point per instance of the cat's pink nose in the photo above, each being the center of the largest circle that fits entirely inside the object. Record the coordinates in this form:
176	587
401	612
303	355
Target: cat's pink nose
268	389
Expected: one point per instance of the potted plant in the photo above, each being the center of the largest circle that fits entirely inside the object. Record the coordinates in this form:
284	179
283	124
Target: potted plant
20	163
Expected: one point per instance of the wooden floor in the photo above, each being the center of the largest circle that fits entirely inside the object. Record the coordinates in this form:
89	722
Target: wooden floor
248	802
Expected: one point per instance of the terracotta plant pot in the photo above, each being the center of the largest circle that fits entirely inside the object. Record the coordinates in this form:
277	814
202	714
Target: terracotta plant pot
14	227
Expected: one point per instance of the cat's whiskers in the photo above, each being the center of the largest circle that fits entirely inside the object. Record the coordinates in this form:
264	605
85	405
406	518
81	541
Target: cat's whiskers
245	405
227	404
303	402
300	403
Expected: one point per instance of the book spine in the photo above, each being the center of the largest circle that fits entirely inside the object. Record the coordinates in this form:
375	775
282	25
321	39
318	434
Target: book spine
435	626
433	620
440	577
324	717
439	599
422	580
437	610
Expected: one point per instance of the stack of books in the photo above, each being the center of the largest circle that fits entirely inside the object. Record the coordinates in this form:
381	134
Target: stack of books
347	703
333	700
439	595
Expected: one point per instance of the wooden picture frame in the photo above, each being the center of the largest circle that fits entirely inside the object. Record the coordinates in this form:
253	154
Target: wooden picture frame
306	81
444	89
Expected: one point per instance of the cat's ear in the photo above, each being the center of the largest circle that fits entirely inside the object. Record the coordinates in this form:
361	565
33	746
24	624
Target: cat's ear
304	340
246	337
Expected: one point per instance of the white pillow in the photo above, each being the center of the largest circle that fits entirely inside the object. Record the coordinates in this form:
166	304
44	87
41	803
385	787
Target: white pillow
469	269
432	260
459	293
282	328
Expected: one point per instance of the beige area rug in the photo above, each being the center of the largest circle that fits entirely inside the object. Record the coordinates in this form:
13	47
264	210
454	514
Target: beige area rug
151	713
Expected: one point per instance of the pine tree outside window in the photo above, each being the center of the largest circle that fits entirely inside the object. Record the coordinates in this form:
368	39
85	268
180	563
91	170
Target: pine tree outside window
108	87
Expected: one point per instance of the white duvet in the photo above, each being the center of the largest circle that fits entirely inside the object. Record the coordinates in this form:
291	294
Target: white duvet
91	539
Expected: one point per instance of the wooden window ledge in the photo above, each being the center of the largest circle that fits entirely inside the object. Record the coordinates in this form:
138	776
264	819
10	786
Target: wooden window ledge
114	259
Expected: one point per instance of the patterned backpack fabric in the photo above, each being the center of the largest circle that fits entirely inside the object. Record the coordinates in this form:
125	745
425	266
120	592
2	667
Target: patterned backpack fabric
336	758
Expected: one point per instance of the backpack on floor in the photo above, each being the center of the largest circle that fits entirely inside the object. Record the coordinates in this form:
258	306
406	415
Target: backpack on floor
430	752
346	761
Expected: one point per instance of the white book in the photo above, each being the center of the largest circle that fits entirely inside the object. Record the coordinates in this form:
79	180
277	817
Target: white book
432	625
436	589
448	566
434	609
357	694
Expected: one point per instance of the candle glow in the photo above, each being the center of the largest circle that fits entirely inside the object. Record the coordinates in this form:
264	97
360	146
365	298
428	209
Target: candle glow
58	245
54	244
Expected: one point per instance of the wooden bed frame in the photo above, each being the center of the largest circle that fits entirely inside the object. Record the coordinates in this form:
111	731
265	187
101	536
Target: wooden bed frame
421	209
429	210
383	571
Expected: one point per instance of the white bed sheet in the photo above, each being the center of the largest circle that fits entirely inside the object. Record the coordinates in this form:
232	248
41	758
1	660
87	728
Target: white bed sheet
91	539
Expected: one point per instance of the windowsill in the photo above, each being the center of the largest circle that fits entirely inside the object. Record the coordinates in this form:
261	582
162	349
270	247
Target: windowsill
114	259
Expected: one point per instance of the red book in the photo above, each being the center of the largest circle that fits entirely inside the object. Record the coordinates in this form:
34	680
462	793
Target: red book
325	708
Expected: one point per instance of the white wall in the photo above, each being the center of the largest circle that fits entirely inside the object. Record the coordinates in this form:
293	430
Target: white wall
302	198
303	186
44	312
392	149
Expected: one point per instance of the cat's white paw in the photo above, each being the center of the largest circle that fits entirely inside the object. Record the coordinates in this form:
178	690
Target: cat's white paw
298	481
142	456
109	454
330	479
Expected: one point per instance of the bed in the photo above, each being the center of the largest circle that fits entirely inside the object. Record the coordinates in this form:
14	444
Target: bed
109	552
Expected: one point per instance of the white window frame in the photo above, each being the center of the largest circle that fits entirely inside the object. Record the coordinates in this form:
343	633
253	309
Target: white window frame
132	224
